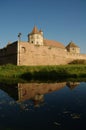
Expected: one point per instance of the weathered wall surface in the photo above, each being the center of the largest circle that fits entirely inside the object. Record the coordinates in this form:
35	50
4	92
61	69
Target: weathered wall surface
74	56
24	53
30	54
9	54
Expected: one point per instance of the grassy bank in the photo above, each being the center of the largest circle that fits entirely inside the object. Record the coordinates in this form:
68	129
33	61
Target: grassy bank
43	72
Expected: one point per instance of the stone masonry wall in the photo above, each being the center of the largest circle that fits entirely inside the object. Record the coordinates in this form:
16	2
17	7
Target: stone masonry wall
74	56
9	54
24	53
30	54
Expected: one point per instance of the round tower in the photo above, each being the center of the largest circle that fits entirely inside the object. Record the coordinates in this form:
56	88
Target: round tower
36	36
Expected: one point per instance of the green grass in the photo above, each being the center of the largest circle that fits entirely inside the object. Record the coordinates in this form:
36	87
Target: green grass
43	72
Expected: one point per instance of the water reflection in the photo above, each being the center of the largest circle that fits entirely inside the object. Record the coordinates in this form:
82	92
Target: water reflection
42	106
34	91
72	85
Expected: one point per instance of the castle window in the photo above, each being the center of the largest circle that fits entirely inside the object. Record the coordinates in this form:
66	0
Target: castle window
31	41
23	50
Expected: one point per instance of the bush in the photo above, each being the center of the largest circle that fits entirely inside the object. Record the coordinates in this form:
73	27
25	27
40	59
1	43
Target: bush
80	61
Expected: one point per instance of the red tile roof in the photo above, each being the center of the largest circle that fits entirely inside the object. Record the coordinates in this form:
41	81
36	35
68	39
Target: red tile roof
35	31
53	43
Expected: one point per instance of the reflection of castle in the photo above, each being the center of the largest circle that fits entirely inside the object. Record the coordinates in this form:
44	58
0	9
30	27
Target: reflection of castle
34	91
72	85
39	51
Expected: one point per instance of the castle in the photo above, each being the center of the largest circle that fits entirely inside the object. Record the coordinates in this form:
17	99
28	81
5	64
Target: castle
39	51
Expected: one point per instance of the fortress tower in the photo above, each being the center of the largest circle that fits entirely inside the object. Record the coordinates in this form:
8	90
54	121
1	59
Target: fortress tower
73	48
36	36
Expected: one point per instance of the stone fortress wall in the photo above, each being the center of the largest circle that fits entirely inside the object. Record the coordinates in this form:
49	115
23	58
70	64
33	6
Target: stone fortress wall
8	54
36	52
45	55
40	55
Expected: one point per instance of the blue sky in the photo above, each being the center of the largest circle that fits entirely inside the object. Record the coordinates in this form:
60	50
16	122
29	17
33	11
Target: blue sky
60	20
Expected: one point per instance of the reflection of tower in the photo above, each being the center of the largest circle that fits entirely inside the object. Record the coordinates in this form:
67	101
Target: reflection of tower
72	85
38	99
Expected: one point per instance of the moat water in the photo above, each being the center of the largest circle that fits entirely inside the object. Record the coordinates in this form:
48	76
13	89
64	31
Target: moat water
53	106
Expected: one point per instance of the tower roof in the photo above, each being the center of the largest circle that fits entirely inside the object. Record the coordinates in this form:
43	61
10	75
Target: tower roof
35	30
71	44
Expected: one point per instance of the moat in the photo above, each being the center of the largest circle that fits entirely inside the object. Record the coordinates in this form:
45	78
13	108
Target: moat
52	106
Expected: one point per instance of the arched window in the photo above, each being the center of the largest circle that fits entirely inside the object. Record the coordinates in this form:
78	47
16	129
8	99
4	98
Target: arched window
23	50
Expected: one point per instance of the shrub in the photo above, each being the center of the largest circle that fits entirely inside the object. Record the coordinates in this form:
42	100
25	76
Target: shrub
78	61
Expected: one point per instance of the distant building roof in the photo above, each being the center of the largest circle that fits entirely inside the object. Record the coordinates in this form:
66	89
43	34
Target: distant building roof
53	43
36	31
72	44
